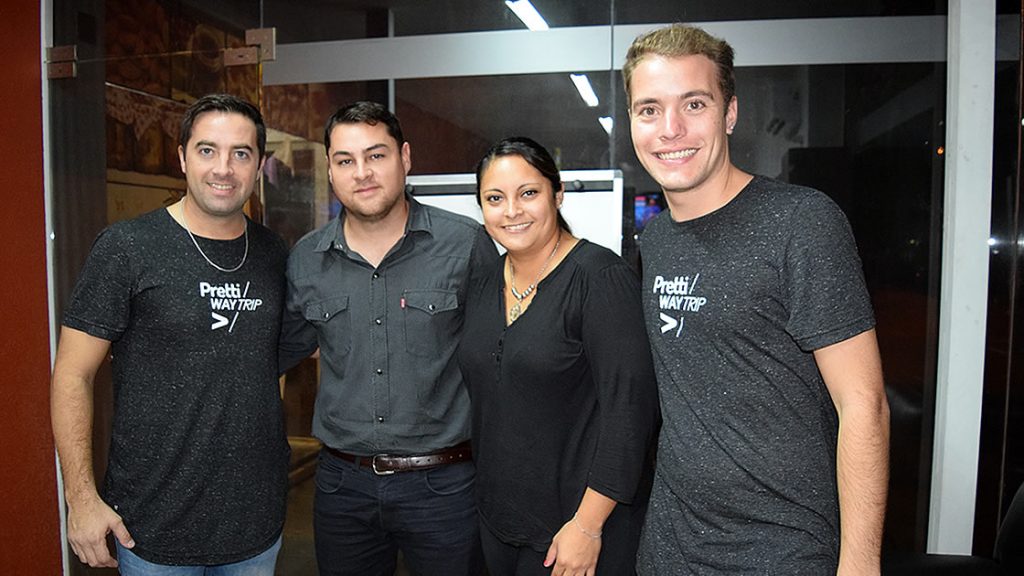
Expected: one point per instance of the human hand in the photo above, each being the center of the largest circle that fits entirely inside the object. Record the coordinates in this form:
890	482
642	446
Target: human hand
89	522
573	551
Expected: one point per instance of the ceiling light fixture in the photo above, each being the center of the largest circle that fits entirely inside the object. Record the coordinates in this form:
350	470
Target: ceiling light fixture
585	89
527	13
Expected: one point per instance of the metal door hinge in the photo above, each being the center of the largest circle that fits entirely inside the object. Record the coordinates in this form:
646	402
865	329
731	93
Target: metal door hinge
261	48
266	39
62	62
241	56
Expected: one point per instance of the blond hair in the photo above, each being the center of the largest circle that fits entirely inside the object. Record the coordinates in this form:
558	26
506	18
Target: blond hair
682	40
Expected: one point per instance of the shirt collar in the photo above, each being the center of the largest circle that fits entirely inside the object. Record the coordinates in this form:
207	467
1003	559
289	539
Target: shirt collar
334	235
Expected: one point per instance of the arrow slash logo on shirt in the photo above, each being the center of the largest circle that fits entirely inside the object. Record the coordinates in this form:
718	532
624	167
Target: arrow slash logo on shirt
220	321
668	323
230	303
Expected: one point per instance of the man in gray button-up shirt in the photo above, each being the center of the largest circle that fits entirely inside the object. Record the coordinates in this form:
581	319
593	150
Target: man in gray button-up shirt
380	290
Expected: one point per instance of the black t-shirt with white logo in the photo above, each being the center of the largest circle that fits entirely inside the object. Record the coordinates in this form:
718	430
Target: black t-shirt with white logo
198	456
736	303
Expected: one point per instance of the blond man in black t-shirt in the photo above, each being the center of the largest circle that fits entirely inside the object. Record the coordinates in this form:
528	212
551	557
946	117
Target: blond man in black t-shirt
773	455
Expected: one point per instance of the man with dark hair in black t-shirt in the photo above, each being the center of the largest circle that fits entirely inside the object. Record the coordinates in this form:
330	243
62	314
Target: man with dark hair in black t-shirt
187	300
773	454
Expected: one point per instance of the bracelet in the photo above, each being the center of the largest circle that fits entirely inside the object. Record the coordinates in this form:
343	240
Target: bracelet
588	533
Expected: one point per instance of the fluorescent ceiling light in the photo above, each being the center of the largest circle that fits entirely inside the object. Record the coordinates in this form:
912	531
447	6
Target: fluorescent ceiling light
606	122
527	13
585	89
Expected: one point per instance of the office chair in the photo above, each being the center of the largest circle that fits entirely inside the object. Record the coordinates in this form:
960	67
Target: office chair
1008	558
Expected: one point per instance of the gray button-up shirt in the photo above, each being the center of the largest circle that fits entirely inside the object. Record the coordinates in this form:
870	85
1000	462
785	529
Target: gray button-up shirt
389	380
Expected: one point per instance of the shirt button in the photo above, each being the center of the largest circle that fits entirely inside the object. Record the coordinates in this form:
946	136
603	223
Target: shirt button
376	275
327	315
379	371
430	307
380	418
377	321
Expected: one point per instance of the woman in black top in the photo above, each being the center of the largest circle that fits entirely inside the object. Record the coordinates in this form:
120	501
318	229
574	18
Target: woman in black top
558	365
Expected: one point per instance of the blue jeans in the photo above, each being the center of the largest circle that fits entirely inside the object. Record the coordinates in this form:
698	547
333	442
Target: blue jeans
361	520
260	565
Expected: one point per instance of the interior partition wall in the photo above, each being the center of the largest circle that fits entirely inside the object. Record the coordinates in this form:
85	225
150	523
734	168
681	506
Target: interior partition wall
854	98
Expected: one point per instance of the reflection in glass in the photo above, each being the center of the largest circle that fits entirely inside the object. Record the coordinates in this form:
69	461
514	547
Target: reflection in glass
646	11
296	191
1001	451
298	22
412	18
451	122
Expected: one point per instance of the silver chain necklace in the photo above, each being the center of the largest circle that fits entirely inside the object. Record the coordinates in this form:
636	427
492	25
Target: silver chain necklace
517	309
245	233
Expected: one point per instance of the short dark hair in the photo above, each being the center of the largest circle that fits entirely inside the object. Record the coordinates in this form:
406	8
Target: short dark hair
223	103
534	154
363	112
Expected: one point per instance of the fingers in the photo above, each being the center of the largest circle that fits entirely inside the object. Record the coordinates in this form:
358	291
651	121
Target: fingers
549	560
572	554
560	570
89	522
122	535
567	563
95	554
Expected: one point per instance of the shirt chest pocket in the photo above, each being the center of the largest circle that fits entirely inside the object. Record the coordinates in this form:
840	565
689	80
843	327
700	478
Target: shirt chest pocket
333	323
432	321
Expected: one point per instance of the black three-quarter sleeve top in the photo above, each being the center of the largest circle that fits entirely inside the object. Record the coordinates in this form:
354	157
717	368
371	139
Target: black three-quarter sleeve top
563	399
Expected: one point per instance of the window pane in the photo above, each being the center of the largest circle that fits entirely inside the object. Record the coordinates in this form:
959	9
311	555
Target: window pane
646	11
414	17
298	22
450	122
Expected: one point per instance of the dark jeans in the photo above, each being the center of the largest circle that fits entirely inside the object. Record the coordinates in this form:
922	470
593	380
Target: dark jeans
361	520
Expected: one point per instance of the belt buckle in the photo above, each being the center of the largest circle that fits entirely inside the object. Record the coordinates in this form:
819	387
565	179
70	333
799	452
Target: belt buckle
373	465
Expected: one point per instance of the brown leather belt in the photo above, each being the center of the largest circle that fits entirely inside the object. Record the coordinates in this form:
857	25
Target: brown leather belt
384	464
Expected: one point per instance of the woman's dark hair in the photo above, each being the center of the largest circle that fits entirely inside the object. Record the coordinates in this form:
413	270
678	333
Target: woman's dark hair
535	155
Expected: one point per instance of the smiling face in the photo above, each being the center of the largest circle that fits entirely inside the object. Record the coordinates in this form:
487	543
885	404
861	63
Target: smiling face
367	170
679	123
519	205
221	164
